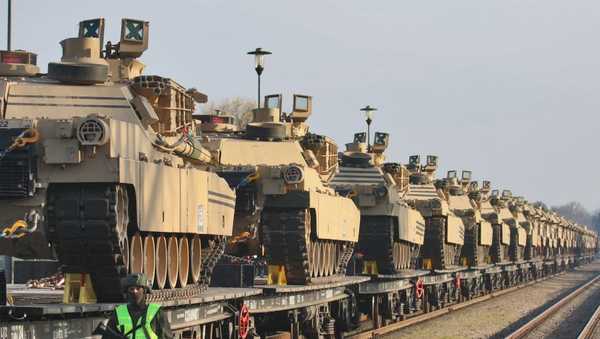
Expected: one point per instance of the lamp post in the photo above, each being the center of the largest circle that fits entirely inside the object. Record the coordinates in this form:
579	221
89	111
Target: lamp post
9	25
259	59
368	110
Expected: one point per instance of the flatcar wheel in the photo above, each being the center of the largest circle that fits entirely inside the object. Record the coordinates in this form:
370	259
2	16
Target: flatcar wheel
375	311
426	301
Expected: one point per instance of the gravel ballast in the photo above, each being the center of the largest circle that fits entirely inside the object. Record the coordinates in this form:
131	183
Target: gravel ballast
501	315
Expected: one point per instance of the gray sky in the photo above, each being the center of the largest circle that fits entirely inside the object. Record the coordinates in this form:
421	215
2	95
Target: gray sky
506	88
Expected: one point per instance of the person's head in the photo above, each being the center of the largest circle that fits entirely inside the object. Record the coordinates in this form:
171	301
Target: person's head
135	288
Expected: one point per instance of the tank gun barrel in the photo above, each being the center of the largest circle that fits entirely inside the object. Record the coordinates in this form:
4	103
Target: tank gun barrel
188	148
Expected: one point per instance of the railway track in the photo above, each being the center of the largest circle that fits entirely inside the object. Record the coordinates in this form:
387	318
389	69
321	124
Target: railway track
374	333
591	329
540	319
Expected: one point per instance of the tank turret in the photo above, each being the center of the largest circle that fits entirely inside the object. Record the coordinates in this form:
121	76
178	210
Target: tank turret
391	232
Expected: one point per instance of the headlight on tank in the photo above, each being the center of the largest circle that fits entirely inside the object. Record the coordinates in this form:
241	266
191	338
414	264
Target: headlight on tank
293	174
92	131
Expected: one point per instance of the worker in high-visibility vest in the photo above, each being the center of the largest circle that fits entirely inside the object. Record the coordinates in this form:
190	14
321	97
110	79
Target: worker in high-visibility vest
137	319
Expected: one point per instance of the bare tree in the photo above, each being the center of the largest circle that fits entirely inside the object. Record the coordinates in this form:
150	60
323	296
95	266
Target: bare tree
575	211
596	220
239	107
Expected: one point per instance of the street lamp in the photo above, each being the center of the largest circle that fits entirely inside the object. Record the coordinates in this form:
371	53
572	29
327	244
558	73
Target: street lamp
259	58
9	25
369	115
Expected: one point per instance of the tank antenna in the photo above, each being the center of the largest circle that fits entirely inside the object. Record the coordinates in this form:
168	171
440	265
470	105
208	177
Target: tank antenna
8	23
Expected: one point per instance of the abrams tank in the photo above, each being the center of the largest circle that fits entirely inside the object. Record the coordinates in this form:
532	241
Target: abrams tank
509	237
533	248
283	202
478	232
444	231
391	232
113	172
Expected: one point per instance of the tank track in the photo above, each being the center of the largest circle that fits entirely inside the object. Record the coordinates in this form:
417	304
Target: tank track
442	254
81	224
81	221
284	234
470	250
475	253
377	242
498	252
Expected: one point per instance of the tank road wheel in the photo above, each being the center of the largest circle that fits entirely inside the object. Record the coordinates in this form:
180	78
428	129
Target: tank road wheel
334	257
310	250
396	255
149	259
316	258
161	262
172	257
320	258
196	259
326	258
184	261
407	255
136	256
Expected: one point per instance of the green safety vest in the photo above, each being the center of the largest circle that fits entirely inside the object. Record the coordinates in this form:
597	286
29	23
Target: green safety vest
125	322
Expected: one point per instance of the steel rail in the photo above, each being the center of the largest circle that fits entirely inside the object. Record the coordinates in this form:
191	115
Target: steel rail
437	313
540	318
591	326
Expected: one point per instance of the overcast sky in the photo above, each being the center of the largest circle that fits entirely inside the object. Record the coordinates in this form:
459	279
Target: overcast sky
506	88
